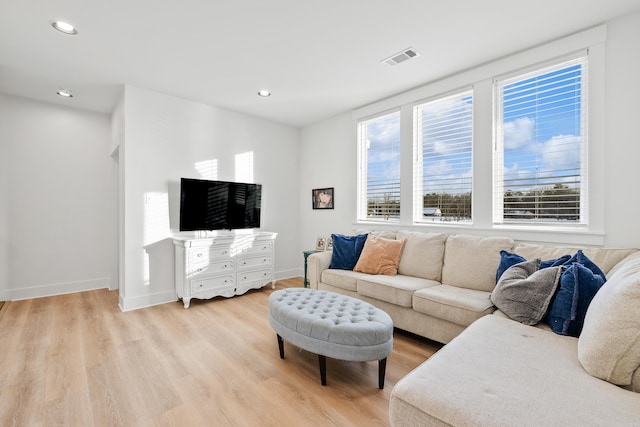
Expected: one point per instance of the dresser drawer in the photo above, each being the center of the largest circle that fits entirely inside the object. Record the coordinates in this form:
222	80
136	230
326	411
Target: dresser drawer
214	283
265	247
249	263
202	266
250	276
207	254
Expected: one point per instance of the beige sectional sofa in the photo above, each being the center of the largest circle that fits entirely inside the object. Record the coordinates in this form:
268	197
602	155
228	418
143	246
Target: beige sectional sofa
496	371
443	282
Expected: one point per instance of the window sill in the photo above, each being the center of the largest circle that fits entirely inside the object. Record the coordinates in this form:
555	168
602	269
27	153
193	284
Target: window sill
564	236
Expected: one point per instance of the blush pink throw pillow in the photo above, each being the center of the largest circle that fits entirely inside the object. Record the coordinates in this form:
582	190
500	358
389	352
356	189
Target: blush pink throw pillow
380	256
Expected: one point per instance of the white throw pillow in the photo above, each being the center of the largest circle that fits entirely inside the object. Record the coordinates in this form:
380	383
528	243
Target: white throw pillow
609	345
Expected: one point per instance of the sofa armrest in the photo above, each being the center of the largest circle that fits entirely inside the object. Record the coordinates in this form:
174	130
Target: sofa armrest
316	264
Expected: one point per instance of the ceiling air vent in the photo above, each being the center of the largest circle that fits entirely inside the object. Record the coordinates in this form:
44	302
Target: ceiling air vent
399	57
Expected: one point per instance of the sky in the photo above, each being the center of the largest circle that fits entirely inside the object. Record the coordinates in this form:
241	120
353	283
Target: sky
541	130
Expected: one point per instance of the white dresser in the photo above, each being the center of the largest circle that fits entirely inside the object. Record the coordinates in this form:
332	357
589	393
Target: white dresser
224	265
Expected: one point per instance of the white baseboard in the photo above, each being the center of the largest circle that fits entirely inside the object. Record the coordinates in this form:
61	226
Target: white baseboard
57	289
142	301
287	274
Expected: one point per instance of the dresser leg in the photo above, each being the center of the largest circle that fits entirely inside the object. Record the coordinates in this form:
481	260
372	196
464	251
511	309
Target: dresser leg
186	302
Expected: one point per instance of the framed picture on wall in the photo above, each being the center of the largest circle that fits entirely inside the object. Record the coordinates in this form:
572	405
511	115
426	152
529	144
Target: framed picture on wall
322	198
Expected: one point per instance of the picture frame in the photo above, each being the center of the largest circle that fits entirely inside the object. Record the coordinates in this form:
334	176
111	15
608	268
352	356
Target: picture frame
321	242
328	244
322	198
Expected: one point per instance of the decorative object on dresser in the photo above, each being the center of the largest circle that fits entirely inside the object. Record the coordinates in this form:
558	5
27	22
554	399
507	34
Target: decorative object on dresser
225	265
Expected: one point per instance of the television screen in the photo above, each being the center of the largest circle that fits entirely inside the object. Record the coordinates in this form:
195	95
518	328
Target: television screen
219	205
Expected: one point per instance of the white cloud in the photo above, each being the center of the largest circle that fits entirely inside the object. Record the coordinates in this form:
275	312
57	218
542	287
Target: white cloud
452	119
518	133
561	151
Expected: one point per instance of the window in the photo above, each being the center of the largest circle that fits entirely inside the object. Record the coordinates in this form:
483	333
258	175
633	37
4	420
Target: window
379	168
513	147
540	151
443	142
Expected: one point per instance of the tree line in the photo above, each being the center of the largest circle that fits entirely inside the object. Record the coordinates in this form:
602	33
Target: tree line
558	202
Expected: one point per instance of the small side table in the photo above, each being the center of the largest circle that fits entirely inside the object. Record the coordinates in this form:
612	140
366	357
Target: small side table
306	255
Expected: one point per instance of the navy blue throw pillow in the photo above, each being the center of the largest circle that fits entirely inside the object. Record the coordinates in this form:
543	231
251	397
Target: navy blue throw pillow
582	259
578	285
346	250
507	259
555	262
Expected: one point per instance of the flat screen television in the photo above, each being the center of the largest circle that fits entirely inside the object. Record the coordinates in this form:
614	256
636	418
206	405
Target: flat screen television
219	205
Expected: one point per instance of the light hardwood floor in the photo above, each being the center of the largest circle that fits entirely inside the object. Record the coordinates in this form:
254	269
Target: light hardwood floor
77	360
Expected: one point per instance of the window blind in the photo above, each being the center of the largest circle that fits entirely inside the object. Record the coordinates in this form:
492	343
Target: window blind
540	173
379	168
443	142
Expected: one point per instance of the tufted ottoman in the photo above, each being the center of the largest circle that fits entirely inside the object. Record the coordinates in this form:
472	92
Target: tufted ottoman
331	325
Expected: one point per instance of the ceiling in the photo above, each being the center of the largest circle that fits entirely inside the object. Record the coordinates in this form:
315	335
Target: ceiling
317	58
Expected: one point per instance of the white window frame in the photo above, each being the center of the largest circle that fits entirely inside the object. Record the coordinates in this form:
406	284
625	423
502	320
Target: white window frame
418	160
363	152
581	58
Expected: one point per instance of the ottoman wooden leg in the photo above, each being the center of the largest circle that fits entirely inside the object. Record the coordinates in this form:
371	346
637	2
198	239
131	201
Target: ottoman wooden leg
382	367
323	369
280	346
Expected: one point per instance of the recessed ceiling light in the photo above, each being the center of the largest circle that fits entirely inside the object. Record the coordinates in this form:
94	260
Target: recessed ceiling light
64	27
65	93
264	93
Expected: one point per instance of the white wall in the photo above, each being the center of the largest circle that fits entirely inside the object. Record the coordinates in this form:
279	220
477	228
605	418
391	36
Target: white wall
622	143
328	159
55	228
167	138
4	201
333	142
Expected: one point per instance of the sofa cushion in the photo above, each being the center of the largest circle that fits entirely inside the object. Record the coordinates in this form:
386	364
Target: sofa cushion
387	234
531	251
635	382
609	346
605	258
422	255
472	261
380	256
458	305
393	289
578	285
346	250
501	373
525	290
343	279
